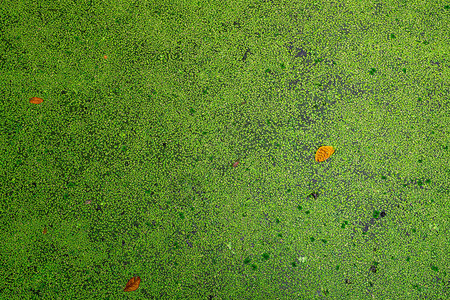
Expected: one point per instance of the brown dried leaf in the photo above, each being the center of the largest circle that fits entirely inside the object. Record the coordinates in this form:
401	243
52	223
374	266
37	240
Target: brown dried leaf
132	284
36	100
323	153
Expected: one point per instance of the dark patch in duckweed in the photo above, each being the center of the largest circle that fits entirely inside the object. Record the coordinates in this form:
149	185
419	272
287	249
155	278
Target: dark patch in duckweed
314	195
247	52
36	292
300	53
366	228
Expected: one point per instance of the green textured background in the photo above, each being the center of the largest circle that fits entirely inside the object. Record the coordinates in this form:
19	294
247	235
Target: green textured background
149	135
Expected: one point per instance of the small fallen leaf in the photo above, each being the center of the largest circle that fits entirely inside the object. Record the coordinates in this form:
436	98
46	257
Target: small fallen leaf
36	100
235	164
45	230
132	284
323	153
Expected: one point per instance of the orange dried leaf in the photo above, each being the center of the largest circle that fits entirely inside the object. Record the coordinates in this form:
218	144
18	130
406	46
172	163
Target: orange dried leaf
36	100
132	284
323	153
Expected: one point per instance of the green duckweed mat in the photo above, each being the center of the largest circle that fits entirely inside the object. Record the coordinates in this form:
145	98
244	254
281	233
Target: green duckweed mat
176	142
